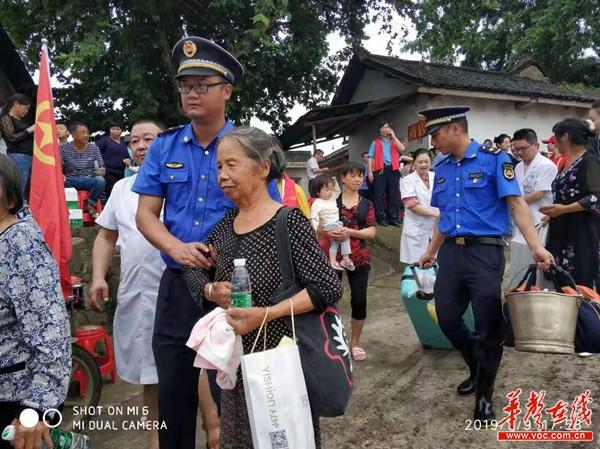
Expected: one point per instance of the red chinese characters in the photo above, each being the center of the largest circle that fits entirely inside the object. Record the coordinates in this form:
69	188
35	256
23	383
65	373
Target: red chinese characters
535	408
513	409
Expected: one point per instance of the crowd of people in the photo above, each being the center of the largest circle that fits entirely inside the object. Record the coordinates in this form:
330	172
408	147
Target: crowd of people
208	193
94	167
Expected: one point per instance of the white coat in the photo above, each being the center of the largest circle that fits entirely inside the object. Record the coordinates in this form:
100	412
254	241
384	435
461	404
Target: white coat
141	270
417	230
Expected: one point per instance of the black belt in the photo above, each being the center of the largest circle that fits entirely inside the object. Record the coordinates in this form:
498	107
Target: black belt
13	368
494	241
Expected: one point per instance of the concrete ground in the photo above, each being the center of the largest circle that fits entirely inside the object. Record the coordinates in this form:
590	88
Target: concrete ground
404	395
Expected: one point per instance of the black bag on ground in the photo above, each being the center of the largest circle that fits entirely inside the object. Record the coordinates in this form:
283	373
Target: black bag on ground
322	341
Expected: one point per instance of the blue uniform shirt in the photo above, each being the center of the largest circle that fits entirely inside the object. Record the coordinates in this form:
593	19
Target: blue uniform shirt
387	152
471	193
178	169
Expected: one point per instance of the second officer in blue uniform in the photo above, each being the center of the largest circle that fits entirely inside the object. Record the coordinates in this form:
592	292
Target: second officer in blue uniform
474	188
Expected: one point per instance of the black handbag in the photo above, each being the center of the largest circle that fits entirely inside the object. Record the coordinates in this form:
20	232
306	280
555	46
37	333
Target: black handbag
321	339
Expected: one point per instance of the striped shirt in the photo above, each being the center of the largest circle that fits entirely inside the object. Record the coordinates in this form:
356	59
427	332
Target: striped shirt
80	164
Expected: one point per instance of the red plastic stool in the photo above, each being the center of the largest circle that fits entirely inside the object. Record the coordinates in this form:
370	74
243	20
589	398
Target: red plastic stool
82	196
88	337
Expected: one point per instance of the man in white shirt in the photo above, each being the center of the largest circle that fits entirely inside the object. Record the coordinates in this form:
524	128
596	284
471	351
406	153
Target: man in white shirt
313	170
141	270
535	174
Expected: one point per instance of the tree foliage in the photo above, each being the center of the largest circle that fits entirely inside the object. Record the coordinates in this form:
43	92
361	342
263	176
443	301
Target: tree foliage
112	57
563	36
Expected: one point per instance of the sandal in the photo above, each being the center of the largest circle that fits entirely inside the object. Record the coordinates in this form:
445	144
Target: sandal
358	354
337	266
348	265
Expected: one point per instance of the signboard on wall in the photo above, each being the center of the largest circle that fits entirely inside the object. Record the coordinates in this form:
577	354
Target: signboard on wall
416	130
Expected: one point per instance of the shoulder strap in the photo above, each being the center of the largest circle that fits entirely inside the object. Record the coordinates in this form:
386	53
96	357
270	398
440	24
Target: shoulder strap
363	210
489	149
284	249
171	130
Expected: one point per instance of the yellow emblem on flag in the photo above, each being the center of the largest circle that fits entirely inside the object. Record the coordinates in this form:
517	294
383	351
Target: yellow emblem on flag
47	135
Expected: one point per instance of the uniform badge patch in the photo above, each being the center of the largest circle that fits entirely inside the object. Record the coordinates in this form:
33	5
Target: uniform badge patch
174	165
508	171
189	48
477	175
441	180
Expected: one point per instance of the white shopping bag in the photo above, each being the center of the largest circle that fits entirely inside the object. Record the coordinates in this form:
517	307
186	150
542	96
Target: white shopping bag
276	397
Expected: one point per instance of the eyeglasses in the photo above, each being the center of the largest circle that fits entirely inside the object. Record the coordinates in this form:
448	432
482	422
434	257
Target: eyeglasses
202	88
520	149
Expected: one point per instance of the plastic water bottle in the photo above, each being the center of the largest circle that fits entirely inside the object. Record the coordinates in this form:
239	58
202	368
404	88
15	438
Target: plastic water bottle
241	291
96	167
61	439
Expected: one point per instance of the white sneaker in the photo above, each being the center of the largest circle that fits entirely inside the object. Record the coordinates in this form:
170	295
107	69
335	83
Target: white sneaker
583	355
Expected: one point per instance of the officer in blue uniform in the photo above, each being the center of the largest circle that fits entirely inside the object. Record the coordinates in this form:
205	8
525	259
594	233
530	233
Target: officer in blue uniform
180	173
474	189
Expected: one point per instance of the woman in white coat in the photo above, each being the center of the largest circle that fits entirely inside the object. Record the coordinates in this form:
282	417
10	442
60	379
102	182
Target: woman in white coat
419	216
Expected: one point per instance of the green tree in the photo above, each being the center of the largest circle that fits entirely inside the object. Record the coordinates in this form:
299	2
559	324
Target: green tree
107	52
563	36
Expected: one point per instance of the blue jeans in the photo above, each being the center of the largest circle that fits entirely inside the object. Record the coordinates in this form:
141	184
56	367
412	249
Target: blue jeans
94	185
23	163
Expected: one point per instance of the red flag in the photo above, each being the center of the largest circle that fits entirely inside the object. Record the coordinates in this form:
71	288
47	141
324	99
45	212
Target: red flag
47	192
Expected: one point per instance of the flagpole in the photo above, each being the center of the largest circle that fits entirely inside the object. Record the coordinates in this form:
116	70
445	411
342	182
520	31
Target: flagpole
45	49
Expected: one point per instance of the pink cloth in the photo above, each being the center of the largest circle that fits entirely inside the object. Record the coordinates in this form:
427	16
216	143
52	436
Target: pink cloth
217	347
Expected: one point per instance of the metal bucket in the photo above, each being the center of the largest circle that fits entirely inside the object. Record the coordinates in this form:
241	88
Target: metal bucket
543	321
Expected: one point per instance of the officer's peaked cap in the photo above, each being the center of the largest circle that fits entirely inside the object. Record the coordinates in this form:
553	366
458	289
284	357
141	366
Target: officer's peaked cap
195	55
438	117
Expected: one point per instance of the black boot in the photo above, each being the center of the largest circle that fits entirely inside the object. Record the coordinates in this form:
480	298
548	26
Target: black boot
468	385
487	368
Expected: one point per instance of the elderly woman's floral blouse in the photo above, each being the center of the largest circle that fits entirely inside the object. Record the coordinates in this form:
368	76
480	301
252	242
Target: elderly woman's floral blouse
574	239
34	326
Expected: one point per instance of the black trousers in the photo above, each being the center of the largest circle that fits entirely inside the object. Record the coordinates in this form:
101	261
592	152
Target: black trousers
112	176
176	314
359	281
387	184
470	274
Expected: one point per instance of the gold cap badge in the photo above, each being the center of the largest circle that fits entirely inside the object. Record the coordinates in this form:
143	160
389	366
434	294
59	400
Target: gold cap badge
189	48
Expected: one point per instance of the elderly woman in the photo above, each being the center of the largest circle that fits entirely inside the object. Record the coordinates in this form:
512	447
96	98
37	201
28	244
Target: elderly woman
35	341
18	134
574	231
247	160
419	218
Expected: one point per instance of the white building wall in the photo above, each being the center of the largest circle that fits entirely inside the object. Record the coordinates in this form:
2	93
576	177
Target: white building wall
490	118
376	84
487	119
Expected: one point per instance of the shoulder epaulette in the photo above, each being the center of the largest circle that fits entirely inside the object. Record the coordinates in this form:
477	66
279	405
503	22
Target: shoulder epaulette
489	149
441	161
171	130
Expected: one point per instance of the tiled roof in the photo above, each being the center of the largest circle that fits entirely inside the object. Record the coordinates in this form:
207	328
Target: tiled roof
297	159
297	156
460	78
